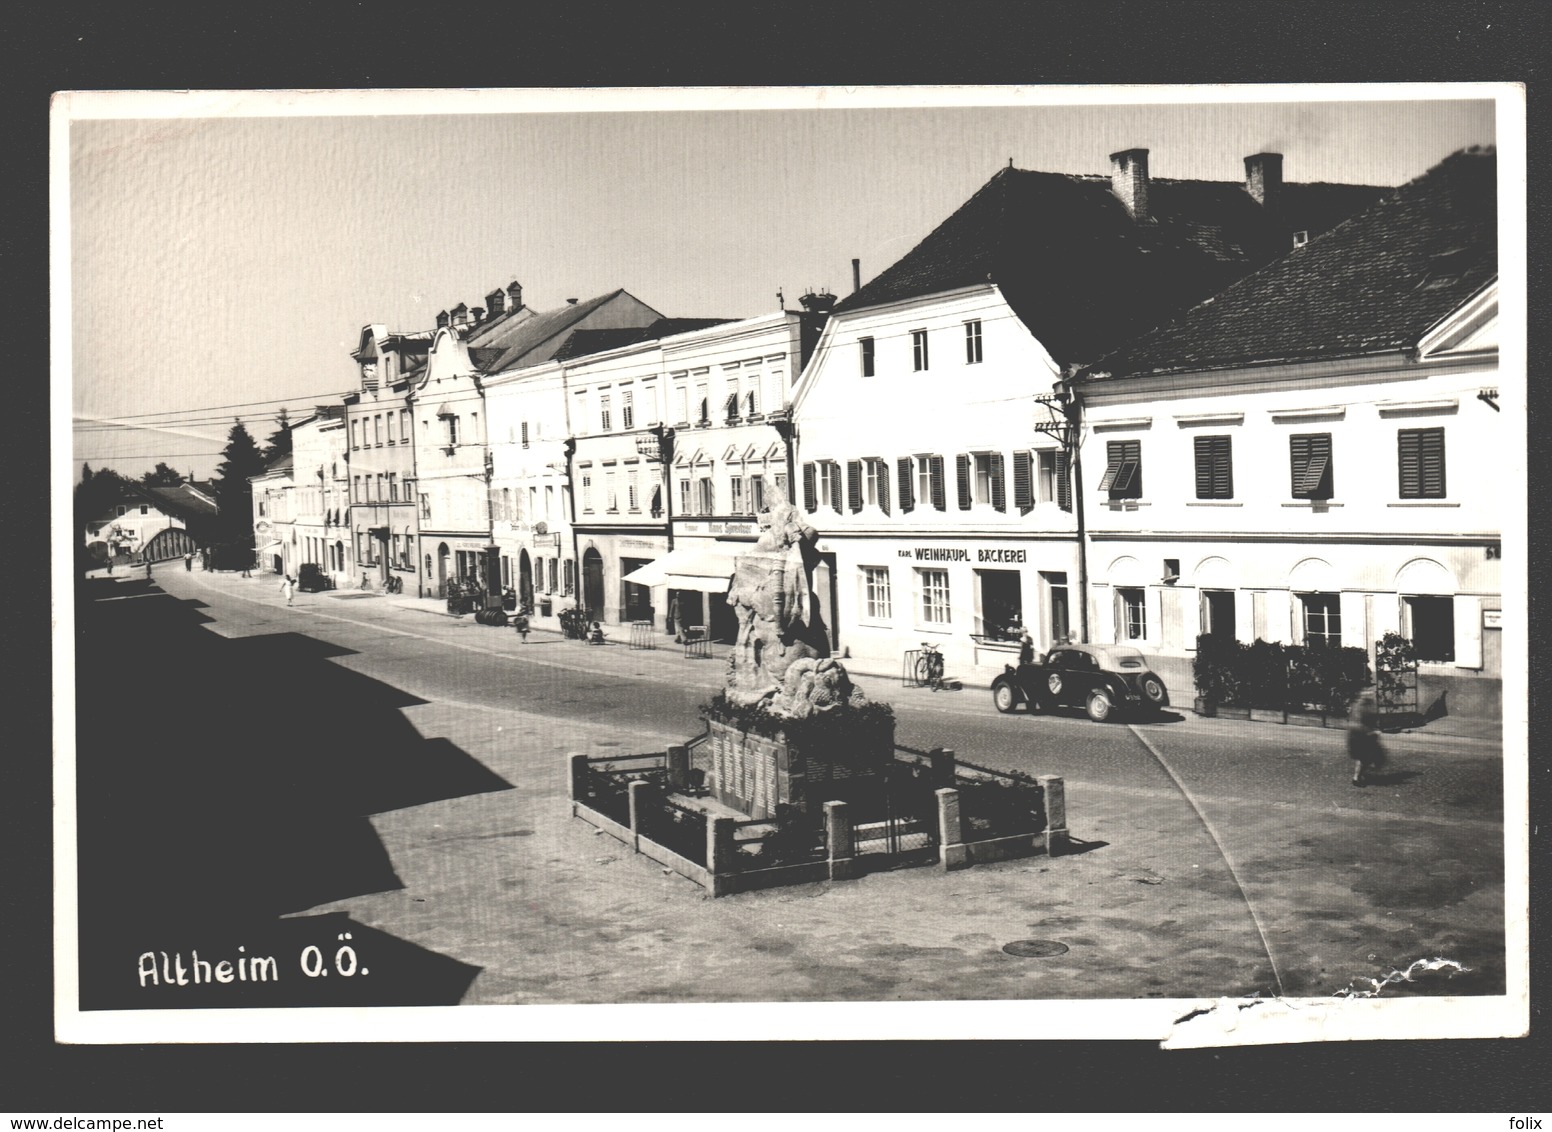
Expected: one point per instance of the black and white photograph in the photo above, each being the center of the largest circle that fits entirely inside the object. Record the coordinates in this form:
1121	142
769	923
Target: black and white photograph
847	563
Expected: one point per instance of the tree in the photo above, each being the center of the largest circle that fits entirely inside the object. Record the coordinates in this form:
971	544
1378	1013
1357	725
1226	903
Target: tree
94	499
279	442
163	476
241	460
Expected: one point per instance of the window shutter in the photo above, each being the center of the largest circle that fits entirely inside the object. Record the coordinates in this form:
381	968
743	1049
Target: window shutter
939	496
1214	467
1023	482
1421	458
854	484
881	469
999	484
835	486
963	463
810	499
1113	457
903	469
1063	481
1298	463
1204	467
1407	456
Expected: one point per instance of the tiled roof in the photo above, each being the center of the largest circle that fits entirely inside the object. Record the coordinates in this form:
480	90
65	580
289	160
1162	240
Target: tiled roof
179	500
580	343
520	341
1375	283
1081	274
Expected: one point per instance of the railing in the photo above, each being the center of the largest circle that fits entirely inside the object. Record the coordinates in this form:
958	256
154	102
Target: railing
673	826
993	803
697	644
608	786
769	842
642	635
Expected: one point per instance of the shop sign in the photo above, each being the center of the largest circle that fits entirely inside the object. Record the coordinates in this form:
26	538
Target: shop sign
1492	619
979	554
718	527
644	544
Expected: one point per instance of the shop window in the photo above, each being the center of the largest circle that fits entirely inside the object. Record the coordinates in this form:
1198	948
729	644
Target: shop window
1218	613
1430	623
933	588
1000	604
1322	617
1131	614
876	602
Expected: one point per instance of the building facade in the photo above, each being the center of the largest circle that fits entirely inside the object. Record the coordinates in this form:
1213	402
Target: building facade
320	504
1301	459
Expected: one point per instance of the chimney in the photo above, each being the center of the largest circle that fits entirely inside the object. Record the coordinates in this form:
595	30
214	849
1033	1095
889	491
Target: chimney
461	314
1264	178
1129	181
856	276
571	302
515	294
478	314
817	303
442	319
496	302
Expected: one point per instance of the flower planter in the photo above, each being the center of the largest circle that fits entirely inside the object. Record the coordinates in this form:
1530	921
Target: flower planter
1268	715
1306	719
1233	711
1203	706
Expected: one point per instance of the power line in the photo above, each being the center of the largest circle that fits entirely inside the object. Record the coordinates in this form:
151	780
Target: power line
303	398
150	456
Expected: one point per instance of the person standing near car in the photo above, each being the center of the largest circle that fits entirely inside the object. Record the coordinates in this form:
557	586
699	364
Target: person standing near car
1026	647
1363	741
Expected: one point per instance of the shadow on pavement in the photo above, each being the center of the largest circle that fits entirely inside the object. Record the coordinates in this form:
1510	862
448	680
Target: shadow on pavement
222	783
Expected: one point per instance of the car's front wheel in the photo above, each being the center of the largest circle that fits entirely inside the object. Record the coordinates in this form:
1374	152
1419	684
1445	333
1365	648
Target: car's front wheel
1100	705
1004	696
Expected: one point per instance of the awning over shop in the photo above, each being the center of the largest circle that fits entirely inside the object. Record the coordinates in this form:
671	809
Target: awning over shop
271	545
688	568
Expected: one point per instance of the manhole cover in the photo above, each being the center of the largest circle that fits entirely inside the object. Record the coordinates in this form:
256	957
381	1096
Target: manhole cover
1034	948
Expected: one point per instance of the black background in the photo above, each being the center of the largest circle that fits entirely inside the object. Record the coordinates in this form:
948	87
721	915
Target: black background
44	48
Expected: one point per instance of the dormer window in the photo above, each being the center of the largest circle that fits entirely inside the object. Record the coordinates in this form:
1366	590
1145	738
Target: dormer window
1300	238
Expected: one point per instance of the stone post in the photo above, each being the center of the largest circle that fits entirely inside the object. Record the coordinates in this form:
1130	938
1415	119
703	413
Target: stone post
719	845
952	851
578	779
639	797
942	766
679	766
843	859
1055	794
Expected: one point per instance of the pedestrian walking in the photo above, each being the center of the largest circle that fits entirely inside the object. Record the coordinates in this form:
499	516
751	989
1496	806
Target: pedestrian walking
288	587
673	617
520	623
148	569
1026	647
247	573
110	564
1363	741
188	562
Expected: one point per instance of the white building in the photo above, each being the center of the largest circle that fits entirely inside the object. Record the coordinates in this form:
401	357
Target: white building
931	446
320	491
1301	459
274	528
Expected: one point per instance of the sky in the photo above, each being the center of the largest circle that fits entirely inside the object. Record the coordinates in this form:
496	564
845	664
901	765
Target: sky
224	254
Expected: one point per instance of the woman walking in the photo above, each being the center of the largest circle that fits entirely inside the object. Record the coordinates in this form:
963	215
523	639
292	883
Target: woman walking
288	587
1363	741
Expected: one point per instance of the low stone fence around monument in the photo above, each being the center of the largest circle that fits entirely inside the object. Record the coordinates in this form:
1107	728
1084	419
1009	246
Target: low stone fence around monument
985	815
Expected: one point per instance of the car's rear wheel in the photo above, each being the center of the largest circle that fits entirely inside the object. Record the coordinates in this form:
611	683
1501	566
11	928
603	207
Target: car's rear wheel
1004	696
1153	690
1100	705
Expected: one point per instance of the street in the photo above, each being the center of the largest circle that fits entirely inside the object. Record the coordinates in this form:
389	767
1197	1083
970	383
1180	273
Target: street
406	788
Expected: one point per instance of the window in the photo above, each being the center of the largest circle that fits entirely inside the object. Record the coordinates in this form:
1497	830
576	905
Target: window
627	409
933	585
145	508
866	345
702	404
1131	615
552	572
1218	613
633	489
684	498
875	593
355	434
611	492
603	412
587	491
1309	461
972	342
570	575
1300	238
919	350
408	490
752	402
355	492
981	481
393	487
756	495
1420	455
506	504
523	432
1123	469
736	495
1214	467
452	431
1322	615
404	426
377	430
1430	622
1045	475
704	498
875	484
682	395
781	487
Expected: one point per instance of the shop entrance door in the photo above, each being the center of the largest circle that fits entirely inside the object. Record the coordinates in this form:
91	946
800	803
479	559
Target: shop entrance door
593	583
1001	604
635	600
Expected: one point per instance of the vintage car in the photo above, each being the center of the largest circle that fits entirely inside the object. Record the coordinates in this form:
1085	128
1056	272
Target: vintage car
1101	679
